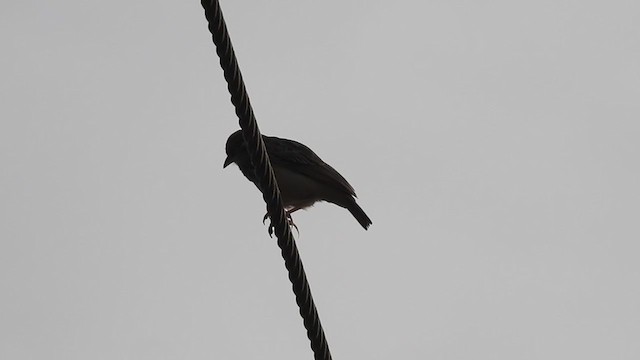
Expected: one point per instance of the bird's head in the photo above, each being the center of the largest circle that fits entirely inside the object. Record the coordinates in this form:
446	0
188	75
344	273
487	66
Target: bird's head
235	148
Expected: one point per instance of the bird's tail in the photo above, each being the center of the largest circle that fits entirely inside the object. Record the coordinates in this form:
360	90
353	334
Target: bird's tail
359	214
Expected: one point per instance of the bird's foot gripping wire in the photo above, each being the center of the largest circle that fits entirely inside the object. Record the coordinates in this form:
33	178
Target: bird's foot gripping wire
289	221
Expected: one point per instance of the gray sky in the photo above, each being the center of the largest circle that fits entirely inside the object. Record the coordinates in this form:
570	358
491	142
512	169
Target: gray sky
494	145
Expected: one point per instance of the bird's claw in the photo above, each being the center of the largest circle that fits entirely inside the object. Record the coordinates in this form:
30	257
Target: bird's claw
272	227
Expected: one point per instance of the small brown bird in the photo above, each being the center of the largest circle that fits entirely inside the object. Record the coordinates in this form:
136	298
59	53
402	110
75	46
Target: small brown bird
302	176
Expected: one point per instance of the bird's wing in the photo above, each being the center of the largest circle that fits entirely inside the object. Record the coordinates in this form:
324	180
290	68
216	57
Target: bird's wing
296	156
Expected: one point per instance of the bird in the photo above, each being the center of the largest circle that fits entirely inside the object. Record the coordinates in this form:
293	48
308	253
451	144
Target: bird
303	178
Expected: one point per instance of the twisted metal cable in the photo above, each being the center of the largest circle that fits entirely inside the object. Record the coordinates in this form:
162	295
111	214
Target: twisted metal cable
266	178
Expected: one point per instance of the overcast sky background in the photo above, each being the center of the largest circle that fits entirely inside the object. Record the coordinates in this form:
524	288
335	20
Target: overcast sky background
494	144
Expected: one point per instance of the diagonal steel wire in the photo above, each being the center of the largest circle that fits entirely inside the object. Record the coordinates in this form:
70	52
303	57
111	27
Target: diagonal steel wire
266	179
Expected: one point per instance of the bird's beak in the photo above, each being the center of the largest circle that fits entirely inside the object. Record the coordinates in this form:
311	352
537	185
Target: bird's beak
227	161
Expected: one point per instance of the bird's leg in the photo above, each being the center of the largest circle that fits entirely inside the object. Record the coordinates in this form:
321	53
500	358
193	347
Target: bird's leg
289	220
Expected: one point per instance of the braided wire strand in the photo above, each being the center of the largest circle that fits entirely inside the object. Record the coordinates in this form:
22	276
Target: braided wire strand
266	179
